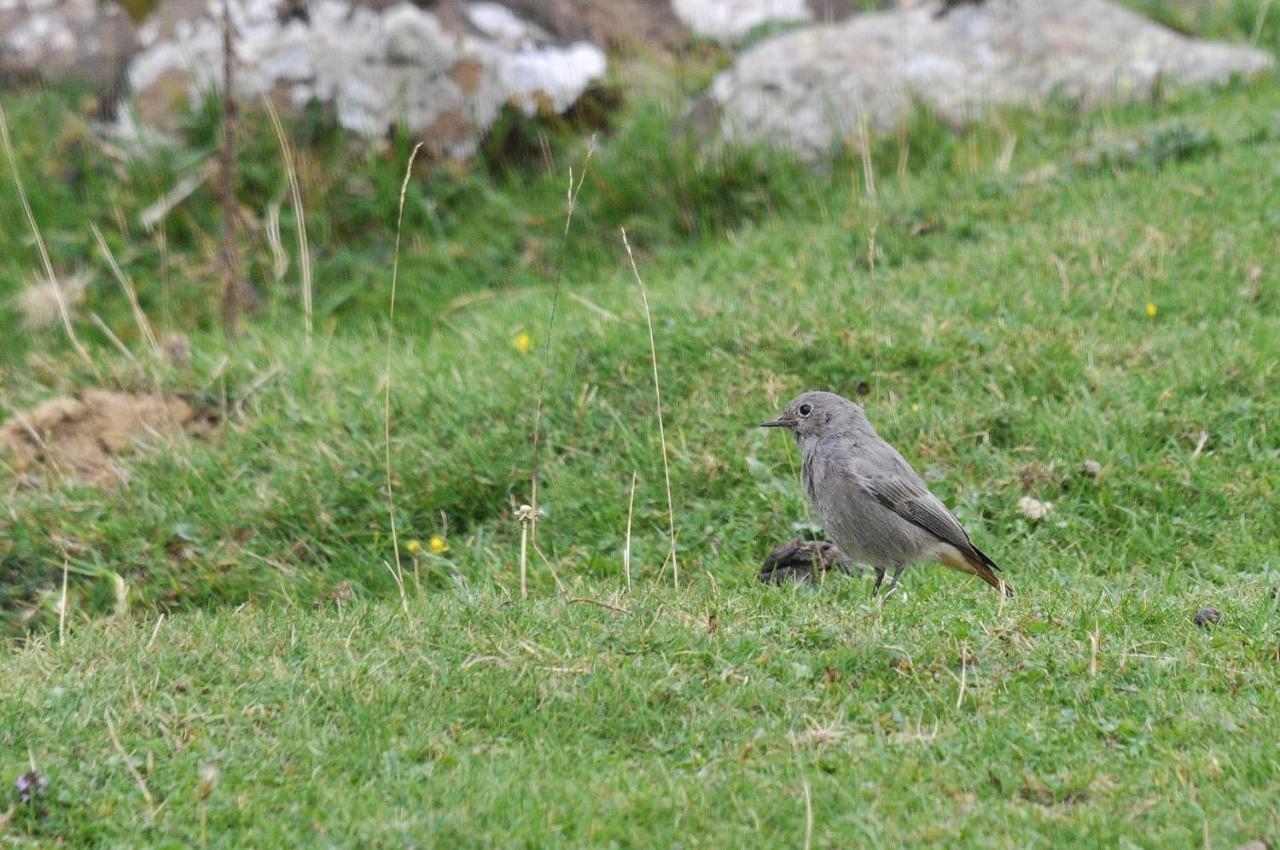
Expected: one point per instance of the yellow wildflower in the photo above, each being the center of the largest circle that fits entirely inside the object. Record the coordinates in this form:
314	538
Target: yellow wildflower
1151	309
523	342
438	546
413	547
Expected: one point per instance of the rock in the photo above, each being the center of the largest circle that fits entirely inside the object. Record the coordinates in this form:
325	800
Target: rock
1207	617
803	561
376	67
1034	509
1091	468
608	23
80	40
812	89
727	20
730	20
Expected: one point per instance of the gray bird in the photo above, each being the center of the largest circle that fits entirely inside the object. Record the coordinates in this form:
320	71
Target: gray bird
869	499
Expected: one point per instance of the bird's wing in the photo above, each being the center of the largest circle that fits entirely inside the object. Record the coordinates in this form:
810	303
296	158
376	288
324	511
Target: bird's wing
890	480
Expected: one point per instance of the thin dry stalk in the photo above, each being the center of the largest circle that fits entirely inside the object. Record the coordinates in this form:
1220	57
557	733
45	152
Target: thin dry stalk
63	310
1006	153
137	777
546	562
583	600
871	251
525	516
279	257
964	675
904	149
864	152
139	317
626	547
299	218
156	631
232	285
1259	21
657	394
112	338
808	817
1095	642
571	205
398	572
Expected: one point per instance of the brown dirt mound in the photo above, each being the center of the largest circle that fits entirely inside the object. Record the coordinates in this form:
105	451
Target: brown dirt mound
83	437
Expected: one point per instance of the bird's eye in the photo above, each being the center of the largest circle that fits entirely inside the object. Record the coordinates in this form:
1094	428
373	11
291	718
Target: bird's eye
806	409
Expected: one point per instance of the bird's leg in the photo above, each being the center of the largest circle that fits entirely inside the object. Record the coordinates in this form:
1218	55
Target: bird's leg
893	584
879	581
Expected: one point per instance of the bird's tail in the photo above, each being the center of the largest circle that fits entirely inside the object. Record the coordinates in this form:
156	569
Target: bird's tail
978	563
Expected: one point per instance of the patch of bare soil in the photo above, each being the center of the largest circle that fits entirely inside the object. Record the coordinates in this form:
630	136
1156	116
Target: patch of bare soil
84	437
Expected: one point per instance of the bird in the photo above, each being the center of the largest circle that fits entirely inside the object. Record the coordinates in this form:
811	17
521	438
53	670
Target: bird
870	501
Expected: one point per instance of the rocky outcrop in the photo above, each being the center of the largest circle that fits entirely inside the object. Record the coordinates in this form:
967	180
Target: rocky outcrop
444	69
730	20
376	67
81	40
813	88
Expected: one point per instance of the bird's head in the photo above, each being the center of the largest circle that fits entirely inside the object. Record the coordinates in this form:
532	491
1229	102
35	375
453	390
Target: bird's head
816	414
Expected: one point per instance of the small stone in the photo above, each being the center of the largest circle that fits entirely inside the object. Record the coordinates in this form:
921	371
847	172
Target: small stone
1090	468
1253	845
1034	509
1207	617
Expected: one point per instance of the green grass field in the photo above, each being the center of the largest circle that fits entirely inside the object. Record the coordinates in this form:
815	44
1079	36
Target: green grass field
236	666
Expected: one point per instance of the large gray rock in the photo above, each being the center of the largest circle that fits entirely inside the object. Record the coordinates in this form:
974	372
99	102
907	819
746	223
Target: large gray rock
81	40
377	67
730	20
813	88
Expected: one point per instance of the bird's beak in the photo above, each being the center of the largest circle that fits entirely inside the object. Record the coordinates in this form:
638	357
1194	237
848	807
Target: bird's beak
780	422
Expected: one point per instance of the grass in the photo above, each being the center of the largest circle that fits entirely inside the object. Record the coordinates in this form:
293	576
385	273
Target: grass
1104	289
690	718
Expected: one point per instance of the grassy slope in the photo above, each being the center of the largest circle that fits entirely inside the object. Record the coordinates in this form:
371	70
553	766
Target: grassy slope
996	367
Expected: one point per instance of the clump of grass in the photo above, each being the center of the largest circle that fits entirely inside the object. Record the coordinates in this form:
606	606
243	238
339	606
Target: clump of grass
1152	147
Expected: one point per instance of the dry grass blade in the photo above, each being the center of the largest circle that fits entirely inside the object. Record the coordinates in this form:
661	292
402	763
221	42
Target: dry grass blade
139	317
63	311
128	763
626	546
112	338
657	393
808	817
572	203
525	517
398	572
183	189
62	605
1259	21
233	285
300	217
585	600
